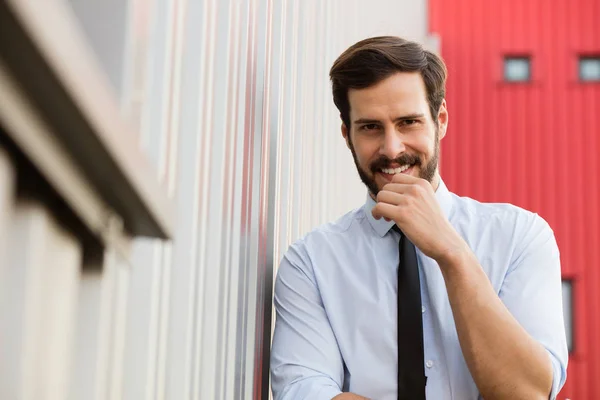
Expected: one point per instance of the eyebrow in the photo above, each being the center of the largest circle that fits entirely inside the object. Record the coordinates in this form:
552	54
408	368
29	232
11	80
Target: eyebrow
375	121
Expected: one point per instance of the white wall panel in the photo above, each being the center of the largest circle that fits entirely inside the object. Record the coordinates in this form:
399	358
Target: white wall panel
7	198
87	347
9	385
118	323
98	367
40	290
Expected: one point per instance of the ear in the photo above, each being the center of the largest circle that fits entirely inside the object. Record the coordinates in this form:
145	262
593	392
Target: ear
346	134
443	119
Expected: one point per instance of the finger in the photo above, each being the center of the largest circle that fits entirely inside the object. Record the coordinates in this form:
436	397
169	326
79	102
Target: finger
401	188
405	178
384	210
390	197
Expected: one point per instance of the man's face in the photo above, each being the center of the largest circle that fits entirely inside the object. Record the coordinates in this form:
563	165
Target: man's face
392	131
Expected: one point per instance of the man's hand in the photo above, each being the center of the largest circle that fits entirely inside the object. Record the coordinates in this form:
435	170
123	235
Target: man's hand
410	202
496	347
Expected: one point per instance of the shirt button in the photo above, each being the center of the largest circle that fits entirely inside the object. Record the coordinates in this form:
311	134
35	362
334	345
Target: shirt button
423	309
429	364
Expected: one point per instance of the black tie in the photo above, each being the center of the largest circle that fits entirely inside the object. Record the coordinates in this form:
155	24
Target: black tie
411	371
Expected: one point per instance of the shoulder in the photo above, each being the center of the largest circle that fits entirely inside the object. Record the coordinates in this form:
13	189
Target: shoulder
326	239
503	224
340	229
516	219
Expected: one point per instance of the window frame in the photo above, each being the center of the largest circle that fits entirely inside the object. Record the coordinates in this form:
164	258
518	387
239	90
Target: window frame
569	312
586	57
507	58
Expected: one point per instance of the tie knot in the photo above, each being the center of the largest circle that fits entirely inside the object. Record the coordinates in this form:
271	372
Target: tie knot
396	229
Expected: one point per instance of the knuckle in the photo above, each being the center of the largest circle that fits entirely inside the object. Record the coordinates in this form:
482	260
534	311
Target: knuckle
423	184
422	188
404	201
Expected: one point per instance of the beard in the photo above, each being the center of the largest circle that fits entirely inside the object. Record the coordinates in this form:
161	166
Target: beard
427	170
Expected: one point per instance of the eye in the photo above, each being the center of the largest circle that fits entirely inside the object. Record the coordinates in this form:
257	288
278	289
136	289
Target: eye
369	127
409	122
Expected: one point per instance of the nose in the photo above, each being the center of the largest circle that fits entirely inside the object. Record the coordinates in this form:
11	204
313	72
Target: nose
392	144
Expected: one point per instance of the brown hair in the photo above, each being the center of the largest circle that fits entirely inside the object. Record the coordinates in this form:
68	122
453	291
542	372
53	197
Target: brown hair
372	60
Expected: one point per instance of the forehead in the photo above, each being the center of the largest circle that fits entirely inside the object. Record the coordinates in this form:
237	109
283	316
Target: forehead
401	93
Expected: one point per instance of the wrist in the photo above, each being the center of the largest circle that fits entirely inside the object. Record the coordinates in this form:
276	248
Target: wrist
454	255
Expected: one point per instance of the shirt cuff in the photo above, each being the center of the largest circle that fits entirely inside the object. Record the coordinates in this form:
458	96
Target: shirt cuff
314	388
327	393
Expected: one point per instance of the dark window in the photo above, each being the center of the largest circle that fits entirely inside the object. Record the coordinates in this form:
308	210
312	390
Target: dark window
567	296
589	69
517	69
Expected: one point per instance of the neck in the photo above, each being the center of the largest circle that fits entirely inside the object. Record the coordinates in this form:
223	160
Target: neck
435	182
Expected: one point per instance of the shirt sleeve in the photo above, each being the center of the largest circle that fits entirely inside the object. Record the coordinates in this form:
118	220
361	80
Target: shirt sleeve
532	292
305	359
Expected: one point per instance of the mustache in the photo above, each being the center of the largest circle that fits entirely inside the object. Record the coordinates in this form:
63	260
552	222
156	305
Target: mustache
385	162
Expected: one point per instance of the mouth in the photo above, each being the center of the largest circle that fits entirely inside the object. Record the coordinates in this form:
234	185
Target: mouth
389	173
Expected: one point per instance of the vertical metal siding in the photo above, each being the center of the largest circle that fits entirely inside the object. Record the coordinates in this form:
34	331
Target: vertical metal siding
236	112
232	102
39	287
532	144
86	347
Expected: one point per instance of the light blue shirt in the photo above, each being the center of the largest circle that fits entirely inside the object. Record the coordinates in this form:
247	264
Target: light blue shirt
335	298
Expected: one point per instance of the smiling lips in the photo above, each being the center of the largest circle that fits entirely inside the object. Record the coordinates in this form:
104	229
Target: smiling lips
393	171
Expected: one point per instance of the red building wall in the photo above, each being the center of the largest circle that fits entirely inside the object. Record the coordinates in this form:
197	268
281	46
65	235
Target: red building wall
532	144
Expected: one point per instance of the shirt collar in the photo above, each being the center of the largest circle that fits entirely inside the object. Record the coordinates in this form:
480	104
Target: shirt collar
381	226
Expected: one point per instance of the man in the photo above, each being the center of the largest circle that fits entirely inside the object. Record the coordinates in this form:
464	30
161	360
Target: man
486	282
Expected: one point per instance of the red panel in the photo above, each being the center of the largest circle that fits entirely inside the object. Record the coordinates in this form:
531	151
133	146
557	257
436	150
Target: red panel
535	144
